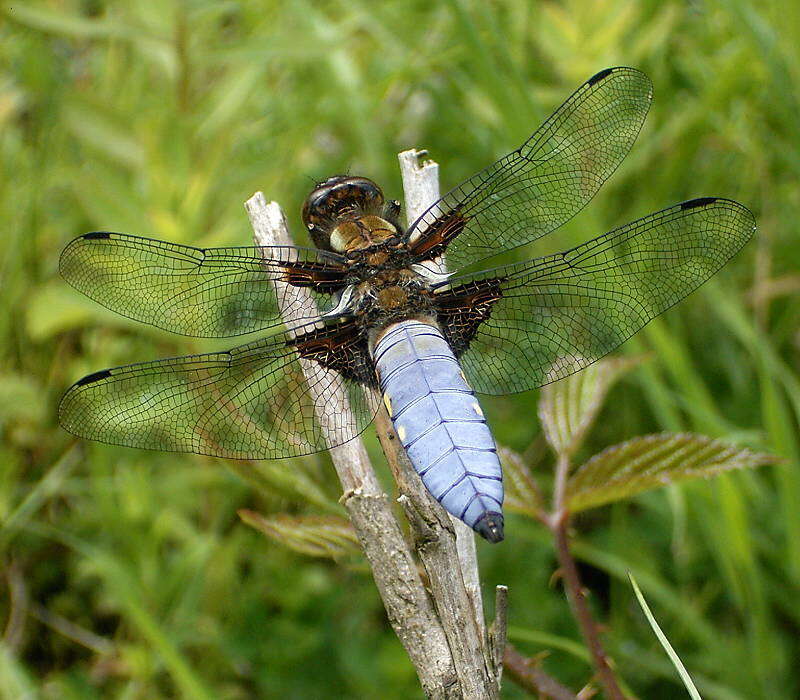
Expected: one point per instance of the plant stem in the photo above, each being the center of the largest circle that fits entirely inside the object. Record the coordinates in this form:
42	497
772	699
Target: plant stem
527	675
560	487
559	523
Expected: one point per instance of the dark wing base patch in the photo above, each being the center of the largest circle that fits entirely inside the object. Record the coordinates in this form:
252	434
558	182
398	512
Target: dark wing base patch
343	349
461	310
438	236
318	276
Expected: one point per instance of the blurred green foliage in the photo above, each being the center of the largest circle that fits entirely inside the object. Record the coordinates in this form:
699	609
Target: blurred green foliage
128	574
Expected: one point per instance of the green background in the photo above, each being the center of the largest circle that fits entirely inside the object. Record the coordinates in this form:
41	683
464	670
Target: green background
127	574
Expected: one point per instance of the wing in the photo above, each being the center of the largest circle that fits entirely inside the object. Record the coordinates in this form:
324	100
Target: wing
252	402
202	292
546	181
524	325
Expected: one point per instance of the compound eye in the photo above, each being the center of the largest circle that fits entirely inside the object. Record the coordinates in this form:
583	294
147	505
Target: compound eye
338	195
368	191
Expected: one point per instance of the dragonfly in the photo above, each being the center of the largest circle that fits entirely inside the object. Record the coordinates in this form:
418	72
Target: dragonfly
391	323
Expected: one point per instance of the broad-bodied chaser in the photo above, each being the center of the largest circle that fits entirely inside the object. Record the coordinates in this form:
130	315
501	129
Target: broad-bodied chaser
393	323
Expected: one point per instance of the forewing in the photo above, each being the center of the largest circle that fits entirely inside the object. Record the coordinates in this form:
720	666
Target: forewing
201	292
524	325
257	401
542	184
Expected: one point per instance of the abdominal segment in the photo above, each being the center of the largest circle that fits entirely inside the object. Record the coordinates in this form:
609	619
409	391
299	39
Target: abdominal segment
440	424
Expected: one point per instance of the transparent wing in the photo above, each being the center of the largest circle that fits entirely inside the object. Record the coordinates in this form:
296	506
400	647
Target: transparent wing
201	292
520	326
252	402
543	183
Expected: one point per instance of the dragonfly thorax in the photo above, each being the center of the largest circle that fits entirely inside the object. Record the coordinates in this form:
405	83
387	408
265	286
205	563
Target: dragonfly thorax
391	294
362	232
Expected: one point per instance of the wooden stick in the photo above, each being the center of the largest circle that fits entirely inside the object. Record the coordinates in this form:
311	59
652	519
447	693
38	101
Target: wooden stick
445	545
408	606
420	190
466	666
499	629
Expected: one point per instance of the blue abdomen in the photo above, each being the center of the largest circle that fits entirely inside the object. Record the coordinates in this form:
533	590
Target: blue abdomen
440	424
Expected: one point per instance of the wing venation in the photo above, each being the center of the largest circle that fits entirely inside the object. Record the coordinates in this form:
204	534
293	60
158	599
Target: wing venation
256	401
201	292
545	319
537	187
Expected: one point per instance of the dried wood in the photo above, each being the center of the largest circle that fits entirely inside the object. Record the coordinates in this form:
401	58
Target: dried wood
408	605
446	637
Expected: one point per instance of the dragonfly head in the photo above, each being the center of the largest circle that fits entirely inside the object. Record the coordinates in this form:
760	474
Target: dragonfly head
344	213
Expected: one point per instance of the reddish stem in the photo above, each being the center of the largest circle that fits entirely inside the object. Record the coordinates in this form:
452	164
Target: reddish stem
559	522
526	674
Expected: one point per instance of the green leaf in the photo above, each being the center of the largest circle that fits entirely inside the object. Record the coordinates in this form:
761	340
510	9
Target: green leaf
522	494
568	408
293	481
662	638
316	536
652	461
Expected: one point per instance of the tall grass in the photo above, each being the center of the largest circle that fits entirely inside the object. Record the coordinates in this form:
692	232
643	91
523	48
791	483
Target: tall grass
161	118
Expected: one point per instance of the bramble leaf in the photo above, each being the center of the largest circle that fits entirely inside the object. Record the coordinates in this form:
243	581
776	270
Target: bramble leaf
568	408
317	536
522	493
652	461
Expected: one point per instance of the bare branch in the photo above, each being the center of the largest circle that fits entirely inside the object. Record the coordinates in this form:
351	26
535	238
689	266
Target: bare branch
420	191
499	629
408	605
527	674
420	182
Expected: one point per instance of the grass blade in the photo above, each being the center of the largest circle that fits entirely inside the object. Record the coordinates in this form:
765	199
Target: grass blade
662	638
